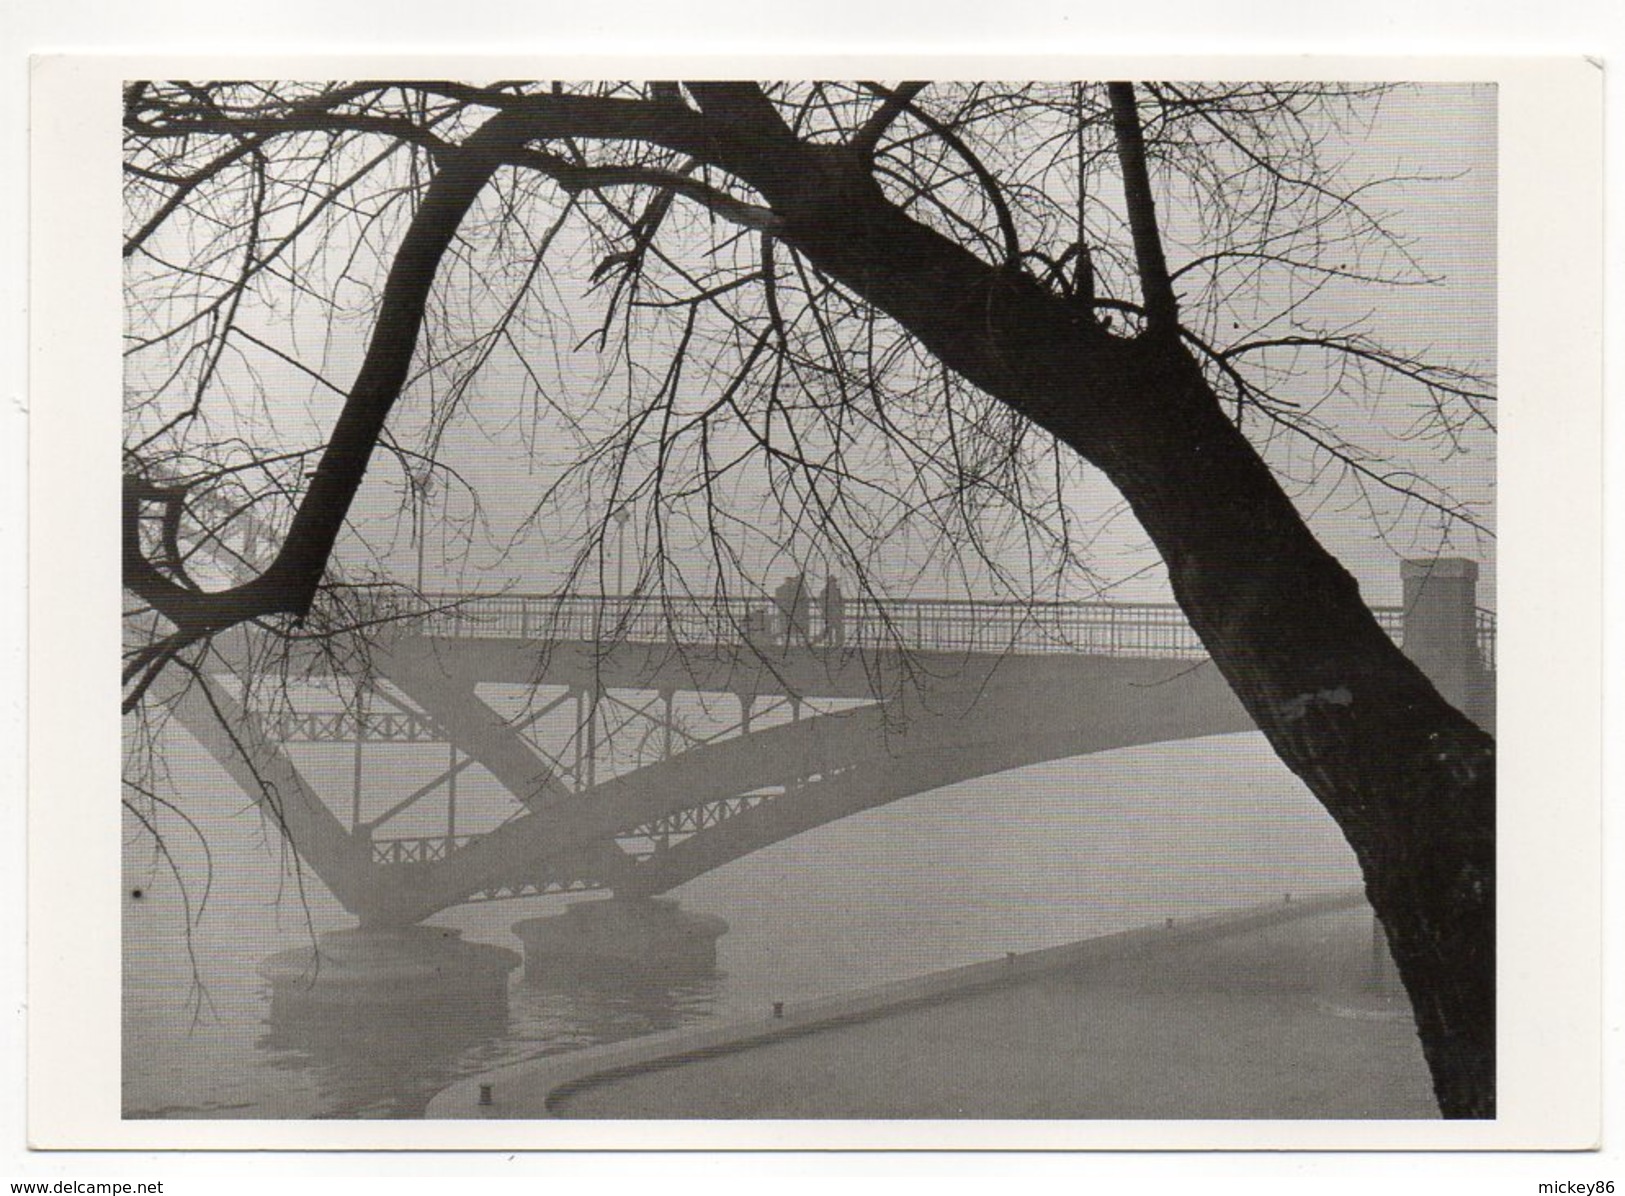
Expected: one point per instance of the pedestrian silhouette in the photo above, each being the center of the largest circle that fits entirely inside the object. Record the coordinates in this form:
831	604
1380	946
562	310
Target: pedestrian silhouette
834	605
792	600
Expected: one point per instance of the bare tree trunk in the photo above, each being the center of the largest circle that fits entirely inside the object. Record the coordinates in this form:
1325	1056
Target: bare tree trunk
1408	778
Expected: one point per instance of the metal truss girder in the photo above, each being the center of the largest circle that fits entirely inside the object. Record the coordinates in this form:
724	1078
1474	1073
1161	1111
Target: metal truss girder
344	726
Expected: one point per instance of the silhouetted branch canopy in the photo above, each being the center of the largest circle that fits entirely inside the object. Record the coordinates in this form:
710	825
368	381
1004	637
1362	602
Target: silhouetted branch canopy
835	314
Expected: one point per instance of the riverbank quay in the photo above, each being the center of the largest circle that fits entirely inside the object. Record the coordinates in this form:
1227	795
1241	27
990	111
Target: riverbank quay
1287	1010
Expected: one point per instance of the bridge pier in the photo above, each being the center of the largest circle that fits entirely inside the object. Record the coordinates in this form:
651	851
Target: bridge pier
1441	633
623	937
408	971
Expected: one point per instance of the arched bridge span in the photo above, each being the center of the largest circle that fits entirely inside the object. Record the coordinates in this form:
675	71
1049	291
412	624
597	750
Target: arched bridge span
903	700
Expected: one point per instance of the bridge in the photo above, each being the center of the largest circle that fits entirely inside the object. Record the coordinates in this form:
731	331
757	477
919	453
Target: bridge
640	742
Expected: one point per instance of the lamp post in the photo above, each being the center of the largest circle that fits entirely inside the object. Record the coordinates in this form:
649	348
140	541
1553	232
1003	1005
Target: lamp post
622	517
425	490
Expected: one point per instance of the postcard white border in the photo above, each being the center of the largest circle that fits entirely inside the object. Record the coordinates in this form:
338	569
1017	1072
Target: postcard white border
1549	598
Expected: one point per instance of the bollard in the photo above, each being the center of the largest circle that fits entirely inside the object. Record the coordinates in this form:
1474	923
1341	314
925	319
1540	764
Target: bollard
1287	900
778	1008
1169	924
1379	953
485	1094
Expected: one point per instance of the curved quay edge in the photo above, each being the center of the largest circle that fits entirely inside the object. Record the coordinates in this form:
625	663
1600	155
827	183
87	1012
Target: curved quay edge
527	1090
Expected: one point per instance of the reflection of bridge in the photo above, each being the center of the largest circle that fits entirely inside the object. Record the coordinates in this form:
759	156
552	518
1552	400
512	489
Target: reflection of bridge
643	742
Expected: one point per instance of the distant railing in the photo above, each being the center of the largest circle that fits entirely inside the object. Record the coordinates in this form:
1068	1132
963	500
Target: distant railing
917	624
426	849
343	726
1486	638
1135	629
1392	620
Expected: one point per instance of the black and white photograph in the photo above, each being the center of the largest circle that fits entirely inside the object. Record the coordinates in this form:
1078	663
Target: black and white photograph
725	561
725	602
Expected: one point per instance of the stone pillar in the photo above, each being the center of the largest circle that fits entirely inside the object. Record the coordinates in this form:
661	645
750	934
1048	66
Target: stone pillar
411	971
1441	628
644	938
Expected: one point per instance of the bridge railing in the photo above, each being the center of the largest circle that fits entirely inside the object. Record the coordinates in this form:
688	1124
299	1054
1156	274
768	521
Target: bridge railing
922	624
1026	628
1144	629
1486	638
634	619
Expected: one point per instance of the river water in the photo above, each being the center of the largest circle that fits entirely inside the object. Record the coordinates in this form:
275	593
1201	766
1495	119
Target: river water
1033	858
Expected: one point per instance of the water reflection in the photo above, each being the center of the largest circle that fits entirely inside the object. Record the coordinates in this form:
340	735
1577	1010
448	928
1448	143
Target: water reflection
935	882
389	1061
381	1062
593	1007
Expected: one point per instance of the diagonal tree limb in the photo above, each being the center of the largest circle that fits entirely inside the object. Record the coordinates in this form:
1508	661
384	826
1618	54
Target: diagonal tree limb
893	105
289	584
1156	288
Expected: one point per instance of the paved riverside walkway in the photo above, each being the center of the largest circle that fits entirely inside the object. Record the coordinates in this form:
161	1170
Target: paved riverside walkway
1264	1013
